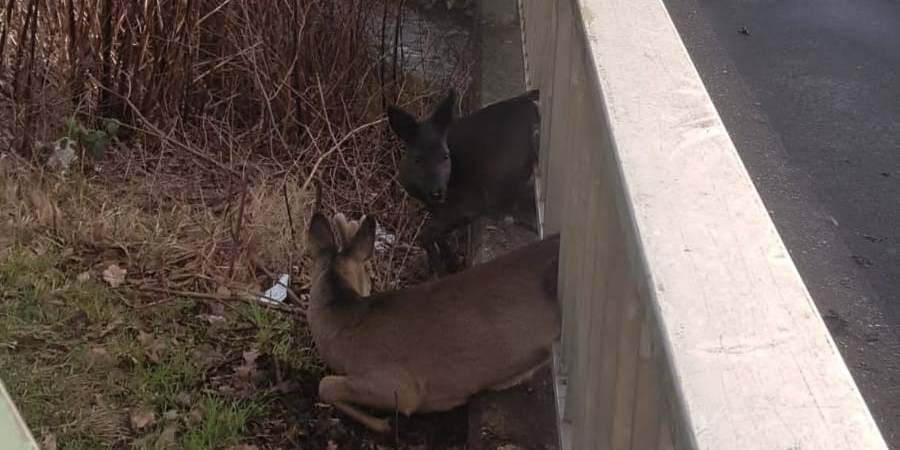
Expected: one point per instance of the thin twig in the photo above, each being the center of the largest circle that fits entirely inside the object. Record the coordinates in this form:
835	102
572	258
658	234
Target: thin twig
222	297
236	231
333	149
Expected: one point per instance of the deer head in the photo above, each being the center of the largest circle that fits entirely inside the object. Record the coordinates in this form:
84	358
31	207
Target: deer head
425	167
348	258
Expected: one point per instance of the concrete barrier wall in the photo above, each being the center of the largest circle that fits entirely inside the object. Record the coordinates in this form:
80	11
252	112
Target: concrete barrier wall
686	324
14	434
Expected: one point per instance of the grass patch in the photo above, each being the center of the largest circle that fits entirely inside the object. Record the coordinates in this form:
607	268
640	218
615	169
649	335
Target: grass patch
278	335
159	384
79	361
44	318
80	358
223	424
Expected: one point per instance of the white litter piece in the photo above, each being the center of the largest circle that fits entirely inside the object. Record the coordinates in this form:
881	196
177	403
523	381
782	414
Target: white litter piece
278	292
383	239
63	155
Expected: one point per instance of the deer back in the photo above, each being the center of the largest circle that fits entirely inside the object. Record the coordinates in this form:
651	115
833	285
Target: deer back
494	153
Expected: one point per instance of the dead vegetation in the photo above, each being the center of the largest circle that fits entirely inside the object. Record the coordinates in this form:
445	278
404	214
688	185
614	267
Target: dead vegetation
129	284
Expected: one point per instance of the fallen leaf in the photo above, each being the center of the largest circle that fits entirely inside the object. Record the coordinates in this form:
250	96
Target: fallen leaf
114	275
145	441
195	416
43	208
145	338
141	418
183	399
250	356
99	355
153	346
166	439
226	389
48	442
332	445
217	308
214	319
83	277
208	356
109	328
246	374
247	370
217	323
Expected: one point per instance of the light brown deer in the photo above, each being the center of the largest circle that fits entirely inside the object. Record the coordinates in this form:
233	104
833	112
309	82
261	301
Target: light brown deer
430	347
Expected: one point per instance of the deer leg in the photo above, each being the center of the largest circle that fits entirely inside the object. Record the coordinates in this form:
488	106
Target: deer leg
449	259
524	213
373	423
385	391
429	242
440	257
520	378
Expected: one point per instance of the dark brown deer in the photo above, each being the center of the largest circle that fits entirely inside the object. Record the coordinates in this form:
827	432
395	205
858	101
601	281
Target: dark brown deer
480	165
430	347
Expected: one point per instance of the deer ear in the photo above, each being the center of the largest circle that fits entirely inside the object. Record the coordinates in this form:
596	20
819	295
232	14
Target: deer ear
362	246
403	124
443	114
345	229
321	237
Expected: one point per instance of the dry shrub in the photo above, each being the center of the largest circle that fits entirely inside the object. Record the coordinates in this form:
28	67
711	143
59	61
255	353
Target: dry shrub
227	107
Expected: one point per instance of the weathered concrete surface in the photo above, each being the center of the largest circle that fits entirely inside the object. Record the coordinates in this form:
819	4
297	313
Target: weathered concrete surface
523	417
502	71
501	76
517	418
810	94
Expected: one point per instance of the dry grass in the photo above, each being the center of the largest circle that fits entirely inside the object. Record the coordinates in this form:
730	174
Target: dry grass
227	115
224	108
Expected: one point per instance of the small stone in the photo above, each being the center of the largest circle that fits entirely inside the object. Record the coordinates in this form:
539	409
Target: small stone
114	275
141	418
183	399
167	439
49	442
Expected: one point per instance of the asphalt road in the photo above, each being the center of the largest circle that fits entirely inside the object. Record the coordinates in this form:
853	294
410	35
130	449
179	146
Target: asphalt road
810	93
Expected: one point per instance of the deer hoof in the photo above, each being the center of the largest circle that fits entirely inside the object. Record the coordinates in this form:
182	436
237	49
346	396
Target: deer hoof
382	426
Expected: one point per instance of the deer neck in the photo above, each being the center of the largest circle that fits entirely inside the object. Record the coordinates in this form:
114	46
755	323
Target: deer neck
333	308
